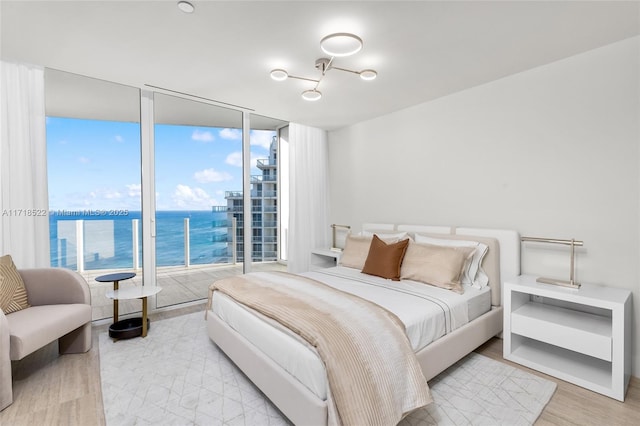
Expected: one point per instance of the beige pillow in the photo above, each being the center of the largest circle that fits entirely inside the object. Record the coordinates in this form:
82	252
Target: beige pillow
13	295
440	266
356	249
384	259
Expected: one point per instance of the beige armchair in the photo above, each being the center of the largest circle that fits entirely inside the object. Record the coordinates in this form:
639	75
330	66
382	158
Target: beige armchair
60	309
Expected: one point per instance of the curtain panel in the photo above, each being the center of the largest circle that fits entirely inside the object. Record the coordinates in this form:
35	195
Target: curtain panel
308	194
24	200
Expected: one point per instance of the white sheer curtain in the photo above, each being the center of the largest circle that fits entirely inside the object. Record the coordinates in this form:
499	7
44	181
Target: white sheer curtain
24	201
308	194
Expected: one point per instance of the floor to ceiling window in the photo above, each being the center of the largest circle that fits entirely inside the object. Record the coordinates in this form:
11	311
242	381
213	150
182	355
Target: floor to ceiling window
194	180
198	170
93	166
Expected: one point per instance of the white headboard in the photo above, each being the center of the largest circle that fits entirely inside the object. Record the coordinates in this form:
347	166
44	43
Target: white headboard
509	241
428	229
378	226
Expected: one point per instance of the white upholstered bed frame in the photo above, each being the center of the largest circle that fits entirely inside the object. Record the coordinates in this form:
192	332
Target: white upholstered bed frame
303	407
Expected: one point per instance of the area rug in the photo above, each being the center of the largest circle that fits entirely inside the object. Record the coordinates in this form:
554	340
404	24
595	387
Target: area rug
177	376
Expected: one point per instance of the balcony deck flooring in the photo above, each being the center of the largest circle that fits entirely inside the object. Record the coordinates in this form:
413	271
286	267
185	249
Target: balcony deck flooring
179	285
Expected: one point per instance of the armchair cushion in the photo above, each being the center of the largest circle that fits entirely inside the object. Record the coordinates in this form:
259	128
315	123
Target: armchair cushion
13	295
37	326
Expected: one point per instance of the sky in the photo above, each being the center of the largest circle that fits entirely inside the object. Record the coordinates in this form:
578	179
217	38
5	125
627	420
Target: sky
94	164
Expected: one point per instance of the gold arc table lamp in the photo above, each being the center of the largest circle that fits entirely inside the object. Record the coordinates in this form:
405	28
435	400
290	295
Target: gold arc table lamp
572	243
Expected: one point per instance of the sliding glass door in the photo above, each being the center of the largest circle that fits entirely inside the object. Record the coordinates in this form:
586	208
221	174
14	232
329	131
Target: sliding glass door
198	190
264	193
93	166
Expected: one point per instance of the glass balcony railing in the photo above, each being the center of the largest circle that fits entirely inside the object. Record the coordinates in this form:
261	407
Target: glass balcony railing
265	162
263	178
264	194
92	244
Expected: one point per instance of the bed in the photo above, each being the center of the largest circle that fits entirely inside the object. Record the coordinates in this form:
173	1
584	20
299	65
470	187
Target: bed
292	375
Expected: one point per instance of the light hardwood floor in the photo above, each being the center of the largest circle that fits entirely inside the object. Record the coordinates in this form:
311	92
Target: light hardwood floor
65	390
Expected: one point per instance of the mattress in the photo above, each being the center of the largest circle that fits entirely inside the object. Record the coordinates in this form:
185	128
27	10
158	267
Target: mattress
428	313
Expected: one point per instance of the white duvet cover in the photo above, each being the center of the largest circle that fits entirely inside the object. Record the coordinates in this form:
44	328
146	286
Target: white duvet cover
428	313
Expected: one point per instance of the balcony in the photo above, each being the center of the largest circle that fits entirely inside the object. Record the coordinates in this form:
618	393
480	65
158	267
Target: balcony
179	285
263	178
99	247
264	163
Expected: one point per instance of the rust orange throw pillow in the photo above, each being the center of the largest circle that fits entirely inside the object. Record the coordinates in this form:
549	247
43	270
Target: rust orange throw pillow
384	260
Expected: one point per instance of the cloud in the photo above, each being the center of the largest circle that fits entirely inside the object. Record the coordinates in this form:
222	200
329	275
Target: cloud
119	138
235	159
231	134
262	138
187	198
202	136
111	194
121	198
84	160
105	194
135	190
211	175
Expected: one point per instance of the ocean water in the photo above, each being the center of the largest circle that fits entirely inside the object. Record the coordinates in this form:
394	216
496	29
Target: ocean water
108	238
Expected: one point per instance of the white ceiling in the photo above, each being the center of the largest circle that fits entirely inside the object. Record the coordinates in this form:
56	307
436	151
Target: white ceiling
224	51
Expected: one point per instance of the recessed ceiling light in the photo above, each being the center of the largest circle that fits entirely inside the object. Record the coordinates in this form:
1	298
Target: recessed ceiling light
341	44
186	7
311	95
368	74
279	74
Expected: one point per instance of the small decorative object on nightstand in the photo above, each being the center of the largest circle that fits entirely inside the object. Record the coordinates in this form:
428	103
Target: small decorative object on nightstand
323	258
582	337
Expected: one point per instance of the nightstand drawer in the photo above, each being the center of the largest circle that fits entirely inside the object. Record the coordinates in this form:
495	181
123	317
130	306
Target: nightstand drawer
577	331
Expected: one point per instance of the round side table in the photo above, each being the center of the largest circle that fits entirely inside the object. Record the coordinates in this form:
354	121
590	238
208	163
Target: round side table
130	327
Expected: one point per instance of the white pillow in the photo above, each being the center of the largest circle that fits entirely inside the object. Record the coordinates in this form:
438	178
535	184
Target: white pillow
473	275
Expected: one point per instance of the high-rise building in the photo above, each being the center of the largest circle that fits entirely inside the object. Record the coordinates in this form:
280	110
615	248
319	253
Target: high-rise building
264	213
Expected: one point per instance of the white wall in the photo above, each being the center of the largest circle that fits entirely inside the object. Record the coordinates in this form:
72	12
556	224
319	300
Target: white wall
550	152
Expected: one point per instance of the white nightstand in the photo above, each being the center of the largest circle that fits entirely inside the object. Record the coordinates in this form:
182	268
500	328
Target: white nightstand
581	336
323	258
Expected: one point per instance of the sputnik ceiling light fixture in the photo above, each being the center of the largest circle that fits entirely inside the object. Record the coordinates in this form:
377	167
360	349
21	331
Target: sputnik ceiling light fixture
336	45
